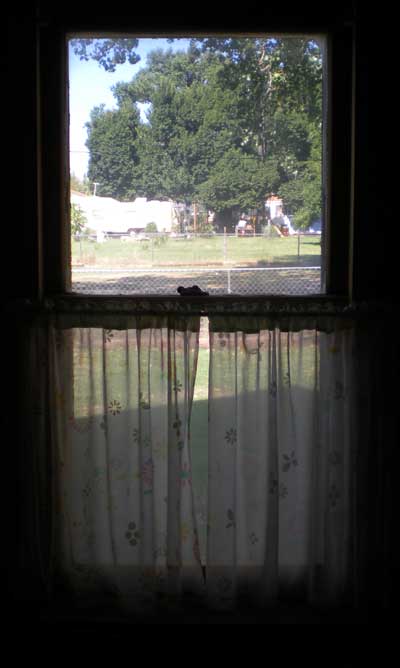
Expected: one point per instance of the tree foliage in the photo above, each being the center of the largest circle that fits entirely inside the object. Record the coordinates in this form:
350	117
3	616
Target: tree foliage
82	186
229	122
78	219
113	153
108	52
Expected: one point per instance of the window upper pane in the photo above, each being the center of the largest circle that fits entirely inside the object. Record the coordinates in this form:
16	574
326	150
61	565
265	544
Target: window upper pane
197	161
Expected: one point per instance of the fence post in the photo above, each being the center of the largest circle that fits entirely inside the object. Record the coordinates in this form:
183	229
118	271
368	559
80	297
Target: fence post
194	217
224	246
298	244
152	250
229	281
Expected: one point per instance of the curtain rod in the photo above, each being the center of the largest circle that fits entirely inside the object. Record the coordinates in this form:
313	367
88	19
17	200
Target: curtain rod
230	305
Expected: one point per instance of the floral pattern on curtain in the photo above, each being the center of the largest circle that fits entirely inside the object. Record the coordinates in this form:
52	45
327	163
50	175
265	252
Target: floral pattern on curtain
127	519
281	461
115	515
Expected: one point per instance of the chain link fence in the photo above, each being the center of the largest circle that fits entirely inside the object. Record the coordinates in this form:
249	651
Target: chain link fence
218	264
241	281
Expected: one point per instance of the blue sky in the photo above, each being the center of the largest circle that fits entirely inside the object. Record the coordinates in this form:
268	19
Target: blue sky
90	85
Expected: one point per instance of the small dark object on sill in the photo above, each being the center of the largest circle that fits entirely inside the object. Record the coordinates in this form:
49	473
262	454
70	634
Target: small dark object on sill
194	291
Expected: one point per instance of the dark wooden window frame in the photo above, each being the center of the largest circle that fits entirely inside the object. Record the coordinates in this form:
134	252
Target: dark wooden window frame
53	147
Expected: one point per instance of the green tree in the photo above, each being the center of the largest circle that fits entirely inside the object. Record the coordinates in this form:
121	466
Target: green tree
302	190
108	52
283	80
112	146
229	121
78	219
82	186
237	183
192	122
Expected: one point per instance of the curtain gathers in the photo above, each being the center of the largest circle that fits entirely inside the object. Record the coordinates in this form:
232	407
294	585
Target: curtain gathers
127	523
281	462
112	468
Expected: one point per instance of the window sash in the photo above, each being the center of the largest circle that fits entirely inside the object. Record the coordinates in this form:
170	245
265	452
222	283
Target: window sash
54	258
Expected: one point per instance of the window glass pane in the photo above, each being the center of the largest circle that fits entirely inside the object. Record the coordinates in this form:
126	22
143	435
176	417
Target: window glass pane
197	161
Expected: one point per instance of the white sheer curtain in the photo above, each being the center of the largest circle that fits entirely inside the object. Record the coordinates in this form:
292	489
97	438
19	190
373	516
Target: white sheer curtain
123	397
281	460
113	477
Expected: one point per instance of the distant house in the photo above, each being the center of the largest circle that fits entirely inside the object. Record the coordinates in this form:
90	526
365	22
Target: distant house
108	215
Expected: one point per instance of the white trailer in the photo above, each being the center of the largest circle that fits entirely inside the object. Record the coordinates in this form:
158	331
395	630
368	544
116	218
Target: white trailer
108	215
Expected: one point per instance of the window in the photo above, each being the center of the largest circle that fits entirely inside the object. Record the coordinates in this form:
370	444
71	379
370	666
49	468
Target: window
335	217
238	343
38	125
208	167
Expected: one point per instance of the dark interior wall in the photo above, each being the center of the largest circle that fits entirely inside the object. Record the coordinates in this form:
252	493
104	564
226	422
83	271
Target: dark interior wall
22	155
20	261
374	119
375	193
375	130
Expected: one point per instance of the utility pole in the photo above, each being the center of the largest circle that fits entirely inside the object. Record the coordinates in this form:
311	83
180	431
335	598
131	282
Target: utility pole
95	187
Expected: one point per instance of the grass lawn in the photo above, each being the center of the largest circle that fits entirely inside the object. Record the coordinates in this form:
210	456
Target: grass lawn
201	251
